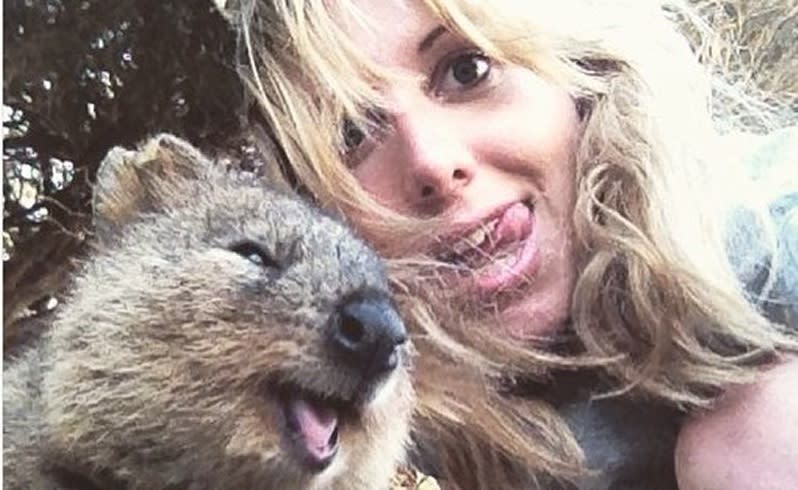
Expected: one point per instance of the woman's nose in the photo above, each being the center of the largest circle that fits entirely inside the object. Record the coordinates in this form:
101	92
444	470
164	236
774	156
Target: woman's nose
438	165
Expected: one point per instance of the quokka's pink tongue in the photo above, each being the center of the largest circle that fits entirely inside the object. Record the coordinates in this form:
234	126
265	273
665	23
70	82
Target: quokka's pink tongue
316	426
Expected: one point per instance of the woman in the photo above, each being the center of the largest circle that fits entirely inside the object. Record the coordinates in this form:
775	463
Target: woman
546	178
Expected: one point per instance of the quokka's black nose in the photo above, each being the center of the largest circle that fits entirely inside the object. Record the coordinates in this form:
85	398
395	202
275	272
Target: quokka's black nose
367	333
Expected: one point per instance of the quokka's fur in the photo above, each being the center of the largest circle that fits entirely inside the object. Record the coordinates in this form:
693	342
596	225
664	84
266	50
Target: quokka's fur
208	305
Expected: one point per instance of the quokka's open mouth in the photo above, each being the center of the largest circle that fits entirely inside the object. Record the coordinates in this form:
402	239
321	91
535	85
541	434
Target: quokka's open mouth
312	424
364	340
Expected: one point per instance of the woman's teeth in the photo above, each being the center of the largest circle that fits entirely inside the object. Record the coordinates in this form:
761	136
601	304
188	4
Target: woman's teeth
480	246
474	239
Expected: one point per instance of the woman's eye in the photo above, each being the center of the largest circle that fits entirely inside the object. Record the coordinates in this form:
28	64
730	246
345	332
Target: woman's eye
253	252
356	139
353	136
464	71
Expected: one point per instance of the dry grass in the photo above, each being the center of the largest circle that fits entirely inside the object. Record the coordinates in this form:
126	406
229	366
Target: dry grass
755	40
410	479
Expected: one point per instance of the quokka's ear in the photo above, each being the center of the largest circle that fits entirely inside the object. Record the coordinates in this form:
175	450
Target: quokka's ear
130	182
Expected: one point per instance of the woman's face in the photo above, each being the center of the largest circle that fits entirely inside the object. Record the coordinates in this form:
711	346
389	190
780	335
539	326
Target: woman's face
489	147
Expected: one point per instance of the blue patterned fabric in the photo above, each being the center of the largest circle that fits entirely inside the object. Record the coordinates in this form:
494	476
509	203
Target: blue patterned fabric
771	278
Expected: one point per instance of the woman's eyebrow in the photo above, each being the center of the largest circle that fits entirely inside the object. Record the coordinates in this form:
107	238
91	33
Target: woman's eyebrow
430	39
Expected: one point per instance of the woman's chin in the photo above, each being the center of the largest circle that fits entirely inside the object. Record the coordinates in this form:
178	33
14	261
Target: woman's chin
535	318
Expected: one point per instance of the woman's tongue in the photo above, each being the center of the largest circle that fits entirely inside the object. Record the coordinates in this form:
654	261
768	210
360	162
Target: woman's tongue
509	251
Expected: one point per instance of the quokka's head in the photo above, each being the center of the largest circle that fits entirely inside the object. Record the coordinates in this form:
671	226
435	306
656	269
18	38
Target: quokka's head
223	328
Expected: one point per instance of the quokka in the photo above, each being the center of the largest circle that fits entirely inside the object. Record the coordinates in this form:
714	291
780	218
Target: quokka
220	334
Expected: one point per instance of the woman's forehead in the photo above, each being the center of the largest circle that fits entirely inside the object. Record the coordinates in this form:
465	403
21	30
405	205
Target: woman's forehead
391	32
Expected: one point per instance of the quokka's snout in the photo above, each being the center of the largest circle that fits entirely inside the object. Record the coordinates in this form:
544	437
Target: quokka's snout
366	339
367	334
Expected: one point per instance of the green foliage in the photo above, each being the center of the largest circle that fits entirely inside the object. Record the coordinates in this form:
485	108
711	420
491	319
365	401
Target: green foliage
79	78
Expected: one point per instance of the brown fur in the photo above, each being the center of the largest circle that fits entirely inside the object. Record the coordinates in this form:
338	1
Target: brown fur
163	368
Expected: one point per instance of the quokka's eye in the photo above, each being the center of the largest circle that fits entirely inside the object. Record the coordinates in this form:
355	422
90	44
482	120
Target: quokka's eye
256	254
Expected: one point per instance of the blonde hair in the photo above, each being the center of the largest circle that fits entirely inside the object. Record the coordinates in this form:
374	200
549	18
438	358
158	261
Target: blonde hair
656	306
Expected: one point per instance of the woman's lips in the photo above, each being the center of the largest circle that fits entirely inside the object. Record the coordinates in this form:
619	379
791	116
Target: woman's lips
513	253
506	252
